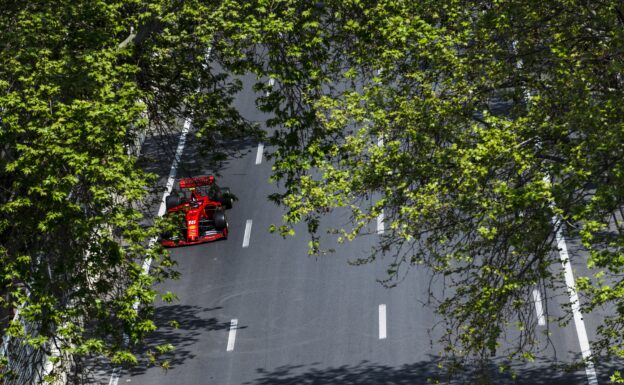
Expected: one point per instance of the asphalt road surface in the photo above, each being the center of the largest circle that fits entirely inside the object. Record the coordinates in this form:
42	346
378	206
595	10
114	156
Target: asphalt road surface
255	309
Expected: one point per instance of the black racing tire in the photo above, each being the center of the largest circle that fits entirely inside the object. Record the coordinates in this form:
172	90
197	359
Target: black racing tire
172	201
226	197
219	220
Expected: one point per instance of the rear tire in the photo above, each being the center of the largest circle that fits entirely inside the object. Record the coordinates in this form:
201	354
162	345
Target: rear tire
219	220
172	201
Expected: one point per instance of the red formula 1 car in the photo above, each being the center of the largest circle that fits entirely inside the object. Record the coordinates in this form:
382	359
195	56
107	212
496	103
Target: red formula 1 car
203	205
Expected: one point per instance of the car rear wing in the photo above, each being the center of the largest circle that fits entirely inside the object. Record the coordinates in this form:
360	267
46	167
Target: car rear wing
197	181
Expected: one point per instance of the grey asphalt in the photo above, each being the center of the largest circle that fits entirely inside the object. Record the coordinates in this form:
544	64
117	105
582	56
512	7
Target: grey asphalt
304	319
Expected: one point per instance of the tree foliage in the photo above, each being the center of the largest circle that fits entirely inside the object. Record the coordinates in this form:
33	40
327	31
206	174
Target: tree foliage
473	126
76	95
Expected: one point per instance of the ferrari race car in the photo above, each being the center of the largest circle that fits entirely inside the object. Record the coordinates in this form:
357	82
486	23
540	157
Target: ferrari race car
201	205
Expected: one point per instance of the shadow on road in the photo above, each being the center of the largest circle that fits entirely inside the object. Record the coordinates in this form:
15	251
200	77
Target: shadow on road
424	372
193	321
158	152
213	160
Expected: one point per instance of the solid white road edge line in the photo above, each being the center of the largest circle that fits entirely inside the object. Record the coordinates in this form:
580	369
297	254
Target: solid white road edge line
161	211
259	153
247	233
170	181
174	166
232	335
382	322
576	308
380	223
115	376
581	332
537	299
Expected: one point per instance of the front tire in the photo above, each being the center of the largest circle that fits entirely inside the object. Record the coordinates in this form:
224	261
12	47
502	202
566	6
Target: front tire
172	201
219	220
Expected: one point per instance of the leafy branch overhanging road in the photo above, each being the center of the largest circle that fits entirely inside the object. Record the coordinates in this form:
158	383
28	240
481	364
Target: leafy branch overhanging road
461	187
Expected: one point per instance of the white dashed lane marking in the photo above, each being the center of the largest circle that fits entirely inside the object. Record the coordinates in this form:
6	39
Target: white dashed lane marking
382	322
271	84
247	233
259	153
380	223
380	218
537	299
232	335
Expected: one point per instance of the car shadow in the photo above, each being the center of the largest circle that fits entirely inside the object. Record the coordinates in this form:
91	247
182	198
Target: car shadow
216	159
